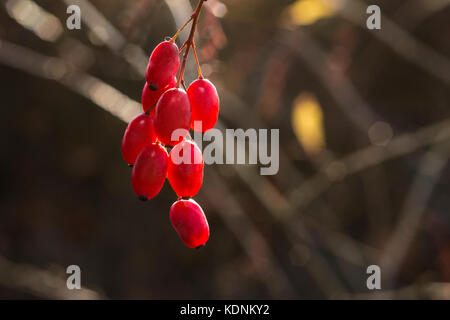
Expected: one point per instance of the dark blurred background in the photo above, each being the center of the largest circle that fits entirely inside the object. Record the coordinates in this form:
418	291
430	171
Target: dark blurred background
364	121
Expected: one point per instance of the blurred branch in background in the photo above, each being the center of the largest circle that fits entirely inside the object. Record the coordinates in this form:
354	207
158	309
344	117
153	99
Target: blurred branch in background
367	157
110	36
238	113
57	69
249	237
45	284
433	291
415	206
340	88
416	11
398	39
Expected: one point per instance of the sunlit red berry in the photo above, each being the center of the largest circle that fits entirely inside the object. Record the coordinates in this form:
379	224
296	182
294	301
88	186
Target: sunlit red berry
173	112
190	222
150	171
139	133
150	98
162	65
185	171
204	103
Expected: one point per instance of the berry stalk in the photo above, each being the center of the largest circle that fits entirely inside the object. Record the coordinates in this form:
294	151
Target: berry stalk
199	71
189	42
181	29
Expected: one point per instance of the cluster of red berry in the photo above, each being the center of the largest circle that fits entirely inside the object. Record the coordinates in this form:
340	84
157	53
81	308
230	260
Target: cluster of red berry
148	136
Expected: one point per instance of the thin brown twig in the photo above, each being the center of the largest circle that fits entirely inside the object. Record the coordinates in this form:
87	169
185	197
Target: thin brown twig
180	30
182	47
189	41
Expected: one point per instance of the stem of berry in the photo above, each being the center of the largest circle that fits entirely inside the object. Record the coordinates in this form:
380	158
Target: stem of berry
199	70
181	29
189	41
182	47
150	109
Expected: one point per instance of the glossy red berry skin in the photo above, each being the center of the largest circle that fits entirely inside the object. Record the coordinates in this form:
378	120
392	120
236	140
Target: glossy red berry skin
173	112
190	223
150	98
204	103
185	171
150	171
162	65
139	133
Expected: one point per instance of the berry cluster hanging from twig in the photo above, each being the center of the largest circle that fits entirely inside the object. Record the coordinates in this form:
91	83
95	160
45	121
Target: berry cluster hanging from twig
168	109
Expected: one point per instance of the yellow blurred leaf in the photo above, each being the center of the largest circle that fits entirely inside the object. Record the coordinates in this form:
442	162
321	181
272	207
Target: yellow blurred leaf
306	12
307	123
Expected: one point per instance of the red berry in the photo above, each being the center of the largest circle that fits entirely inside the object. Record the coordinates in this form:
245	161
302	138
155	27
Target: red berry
149	171
204	103
185	171
150	98
173	112
190	223
162	65
139	133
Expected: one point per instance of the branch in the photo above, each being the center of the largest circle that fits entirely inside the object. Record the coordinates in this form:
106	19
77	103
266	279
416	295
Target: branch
366	158
41	283
414	208
190	41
